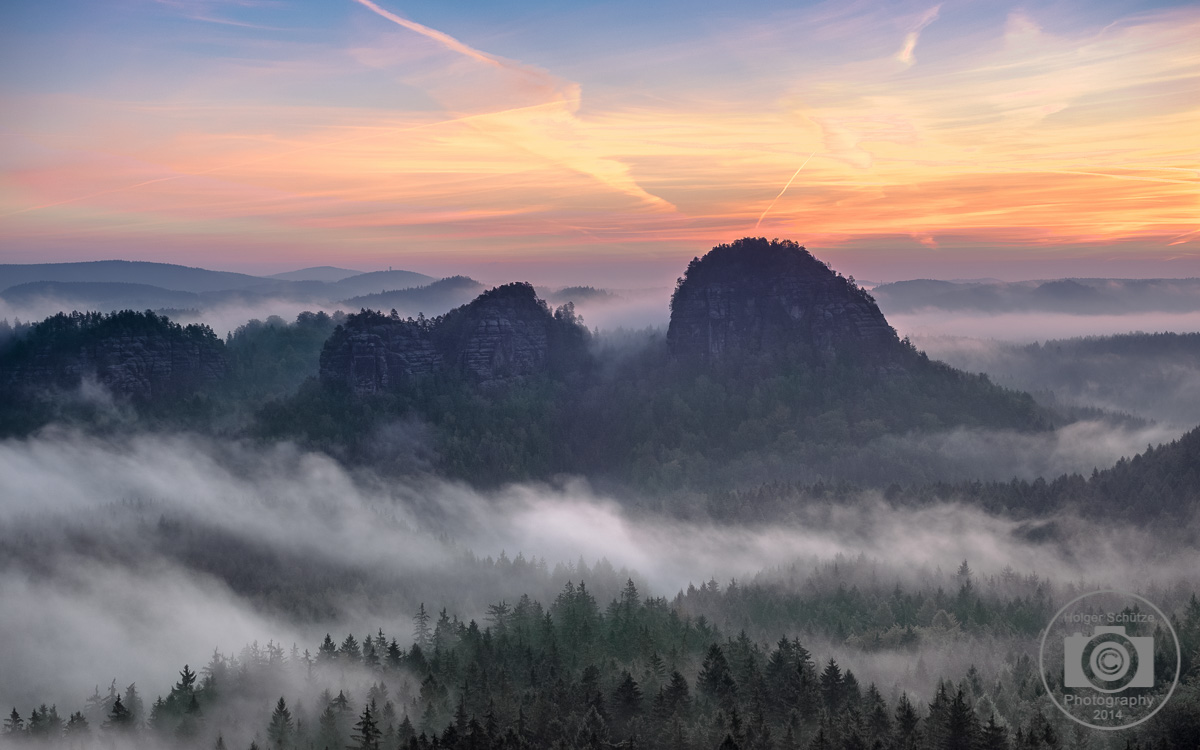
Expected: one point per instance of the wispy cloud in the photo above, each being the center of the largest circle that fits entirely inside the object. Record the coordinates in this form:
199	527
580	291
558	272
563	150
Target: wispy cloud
905	55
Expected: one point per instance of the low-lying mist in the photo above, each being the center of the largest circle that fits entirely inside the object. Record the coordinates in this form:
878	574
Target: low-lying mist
128	557
1024	327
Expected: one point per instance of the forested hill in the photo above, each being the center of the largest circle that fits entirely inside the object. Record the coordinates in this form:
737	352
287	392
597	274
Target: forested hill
1159	486
772	366
136	355
775	368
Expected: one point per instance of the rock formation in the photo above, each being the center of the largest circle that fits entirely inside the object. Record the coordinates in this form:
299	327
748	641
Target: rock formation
373	353
755	297
135	355
504	335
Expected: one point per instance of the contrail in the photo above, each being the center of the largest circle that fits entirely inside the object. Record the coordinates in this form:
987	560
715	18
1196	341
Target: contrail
445	40
781	192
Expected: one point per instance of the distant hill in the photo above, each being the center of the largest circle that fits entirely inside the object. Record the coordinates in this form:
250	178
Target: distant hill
379	281
579	294
329	274
119	285
164	275
432	299
103	296
1151	375
1076	296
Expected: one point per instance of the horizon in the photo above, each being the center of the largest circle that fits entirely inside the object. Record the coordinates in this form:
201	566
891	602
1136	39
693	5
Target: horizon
917	140
483	275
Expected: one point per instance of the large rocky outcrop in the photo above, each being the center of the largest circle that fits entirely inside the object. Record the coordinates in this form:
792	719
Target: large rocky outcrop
134	355
760	298
505	335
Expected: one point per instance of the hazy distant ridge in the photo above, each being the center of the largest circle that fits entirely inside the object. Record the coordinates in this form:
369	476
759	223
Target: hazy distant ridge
1077	296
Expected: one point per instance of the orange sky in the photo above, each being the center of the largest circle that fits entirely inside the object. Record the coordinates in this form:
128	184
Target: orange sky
1020	145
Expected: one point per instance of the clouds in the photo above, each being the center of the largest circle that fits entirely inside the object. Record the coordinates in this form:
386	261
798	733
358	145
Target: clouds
357	136
905	55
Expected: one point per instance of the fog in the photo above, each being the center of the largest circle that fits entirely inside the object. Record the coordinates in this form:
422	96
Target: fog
1153	377
1000	455
1036	326
125	557
627	308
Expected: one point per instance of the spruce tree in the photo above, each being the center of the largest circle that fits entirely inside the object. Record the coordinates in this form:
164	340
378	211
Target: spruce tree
119	719
366	731
994	736
279	731
421	631
14	724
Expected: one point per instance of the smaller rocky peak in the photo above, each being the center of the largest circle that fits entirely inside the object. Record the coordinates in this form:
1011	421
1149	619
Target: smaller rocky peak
503	336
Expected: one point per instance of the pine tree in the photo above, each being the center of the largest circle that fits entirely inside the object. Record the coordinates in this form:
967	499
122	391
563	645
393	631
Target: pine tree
627	699
394	655
421	631
906	719
676	698
119	719
962	727
350	650
14	724
133	702
327	650
715	681
328	732
994	737
367	734
832	687
280	730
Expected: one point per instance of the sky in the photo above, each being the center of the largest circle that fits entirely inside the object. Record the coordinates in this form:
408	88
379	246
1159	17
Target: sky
604	142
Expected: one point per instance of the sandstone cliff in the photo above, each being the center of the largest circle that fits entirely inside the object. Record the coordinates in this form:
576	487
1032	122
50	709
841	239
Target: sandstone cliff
755	297
134	355
504	335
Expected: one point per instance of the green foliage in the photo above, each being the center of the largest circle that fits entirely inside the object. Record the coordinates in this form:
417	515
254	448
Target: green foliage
563	676
272	358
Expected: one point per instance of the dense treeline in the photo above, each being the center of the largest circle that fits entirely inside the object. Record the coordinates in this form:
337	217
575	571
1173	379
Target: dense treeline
272	358
1153	375
639	418
634	419
1161	485
638	672
624	413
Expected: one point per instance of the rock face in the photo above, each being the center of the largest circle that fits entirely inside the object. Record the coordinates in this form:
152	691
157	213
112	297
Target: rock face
504	335
373	353
134	355
755	297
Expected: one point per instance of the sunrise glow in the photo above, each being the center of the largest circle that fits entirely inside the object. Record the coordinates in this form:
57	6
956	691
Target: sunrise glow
266	135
